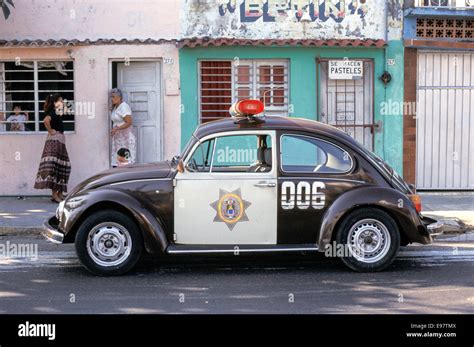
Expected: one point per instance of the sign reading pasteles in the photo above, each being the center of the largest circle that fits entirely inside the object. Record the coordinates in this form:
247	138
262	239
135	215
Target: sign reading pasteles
346	69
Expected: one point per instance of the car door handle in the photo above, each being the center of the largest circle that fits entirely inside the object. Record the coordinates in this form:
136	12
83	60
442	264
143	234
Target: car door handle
265	184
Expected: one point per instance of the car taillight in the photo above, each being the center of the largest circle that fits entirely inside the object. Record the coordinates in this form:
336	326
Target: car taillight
416	199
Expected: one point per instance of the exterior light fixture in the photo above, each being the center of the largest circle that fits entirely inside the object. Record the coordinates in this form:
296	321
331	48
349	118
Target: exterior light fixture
386	77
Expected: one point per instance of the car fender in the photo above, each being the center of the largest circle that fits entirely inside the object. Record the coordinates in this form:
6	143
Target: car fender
396	204
153	232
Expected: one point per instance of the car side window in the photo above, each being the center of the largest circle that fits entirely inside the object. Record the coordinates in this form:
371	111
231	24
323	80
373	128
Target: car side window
200	160
242	153
308	154
233	153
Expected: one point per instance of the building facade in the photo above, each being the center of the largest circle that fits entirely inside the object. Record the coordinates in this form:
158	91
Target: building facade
439	94
351	64
81	49
339	62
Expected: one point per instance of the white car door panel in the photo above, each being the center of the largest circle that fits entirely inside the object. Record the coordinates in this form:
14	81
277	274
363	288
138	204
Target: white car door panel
226	208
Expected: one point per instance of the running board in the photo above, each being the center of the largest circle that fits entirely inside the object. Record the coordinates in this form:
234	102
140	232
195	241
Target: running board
210	249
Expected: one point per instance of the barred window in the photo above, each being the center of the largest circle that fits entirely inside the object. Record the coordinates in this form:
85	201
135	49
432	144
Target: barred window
224	82
24	86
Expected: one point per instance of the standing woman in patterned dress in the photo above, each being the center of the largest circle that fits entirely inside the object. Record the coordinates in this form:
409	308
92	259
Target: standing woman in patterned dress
55	167
122	130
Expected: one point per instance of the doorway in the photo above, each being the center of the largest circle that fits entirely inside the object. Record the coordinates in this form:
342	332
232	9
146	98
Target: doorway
140	83
348	104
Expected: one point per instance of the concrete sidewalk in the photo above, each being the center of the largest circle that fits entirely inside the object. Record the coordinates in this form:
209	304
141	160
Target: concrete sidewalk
26	214
452	207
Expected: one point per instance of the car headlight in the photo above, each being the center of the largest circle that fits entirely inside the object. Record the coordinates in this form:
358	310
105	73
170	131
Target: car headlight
74	203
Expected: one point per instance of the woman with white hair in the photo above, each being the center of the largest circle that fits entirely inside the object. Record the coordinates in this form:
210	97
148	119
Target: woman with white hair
122	130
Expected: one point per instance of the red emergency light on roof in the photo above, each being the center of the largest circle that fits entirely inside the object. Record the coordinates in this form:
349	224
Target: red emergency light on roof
246	108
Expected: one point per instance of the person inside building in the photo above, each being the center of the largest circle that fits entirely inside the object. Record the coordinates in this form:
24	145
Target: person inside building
18	119
122	130
55	167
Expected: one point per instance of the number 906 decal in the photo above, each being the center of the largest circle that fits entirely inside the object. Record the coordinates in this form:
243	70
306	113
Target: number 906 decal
303	195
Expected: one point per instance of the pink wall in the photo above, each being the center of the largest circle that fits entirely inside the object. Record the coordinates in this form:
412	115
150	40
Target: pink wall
89	146
104	19
92	20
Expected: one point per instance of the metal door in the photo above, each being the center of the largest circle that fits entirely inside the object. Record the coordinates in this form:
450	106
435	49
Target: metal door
348	104
445	120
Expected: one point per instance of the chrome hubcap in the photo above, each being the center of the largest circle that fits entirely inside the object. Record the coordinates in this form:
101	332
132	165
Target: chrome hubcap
368	240
109	244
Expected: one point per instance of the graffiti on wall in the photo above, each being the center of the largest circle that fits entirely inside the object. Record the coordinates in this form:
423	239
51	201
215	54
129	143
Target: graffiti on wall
295	10
285	19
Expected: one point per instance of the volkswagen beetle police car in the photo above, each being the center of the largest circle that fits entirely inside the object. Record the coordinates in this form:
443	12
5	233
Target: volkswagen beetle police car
251	184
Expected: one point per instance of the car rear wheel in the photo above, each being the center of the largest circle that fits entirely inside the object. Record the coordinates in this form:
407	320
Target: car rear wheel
108	243
371	238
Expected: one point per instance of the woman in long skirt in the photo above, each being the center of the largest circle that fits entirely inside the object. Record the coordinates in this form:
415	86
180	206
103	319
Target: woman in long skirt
55	167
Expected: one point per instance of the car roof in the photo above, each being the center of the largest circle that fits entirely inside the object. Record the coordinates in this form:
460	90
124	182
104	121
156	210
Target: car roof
275	123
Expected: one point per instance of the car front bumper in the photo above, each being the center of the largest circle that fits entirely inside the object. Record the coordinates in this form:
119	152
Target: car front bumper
51	231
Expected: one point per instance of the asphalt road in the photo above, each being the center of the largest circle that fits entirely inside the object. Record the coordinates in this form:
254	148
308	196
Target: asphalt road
433	279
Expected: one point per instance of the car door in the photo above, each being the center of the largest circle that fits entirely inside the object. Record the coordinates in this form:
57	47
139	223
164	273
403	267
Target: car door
314	172
227	194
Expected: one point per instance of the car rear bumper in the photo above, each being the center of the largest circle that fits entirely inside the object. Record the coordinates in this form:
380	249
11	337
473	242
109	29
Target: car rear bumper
51	231
434	227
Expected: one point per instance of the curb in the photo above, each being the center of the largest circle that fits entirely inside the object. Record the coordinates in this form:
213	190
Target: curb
452	225
20	231
466	220
466	236
455	227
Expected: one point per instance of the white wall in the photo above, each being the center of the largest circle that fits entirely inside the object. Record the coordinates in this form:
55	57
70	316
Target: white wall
250	19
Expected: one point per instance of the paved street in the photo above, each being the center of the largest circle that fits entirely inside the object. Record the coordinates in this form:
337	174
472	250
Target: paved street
424	279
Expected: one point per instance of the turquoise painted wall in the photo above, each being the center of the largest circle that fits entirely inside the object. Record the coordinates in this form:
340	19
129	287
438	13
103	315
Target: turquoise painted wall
392	140
303	85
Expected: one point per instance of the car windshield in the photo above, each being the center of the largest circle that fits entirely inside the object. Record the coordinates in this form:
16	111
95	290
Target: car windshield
188	146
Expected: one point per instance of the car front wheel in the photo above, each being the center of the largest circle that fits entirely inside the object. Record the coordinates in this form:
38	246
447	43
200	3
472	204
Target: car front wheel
108	243
371	238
